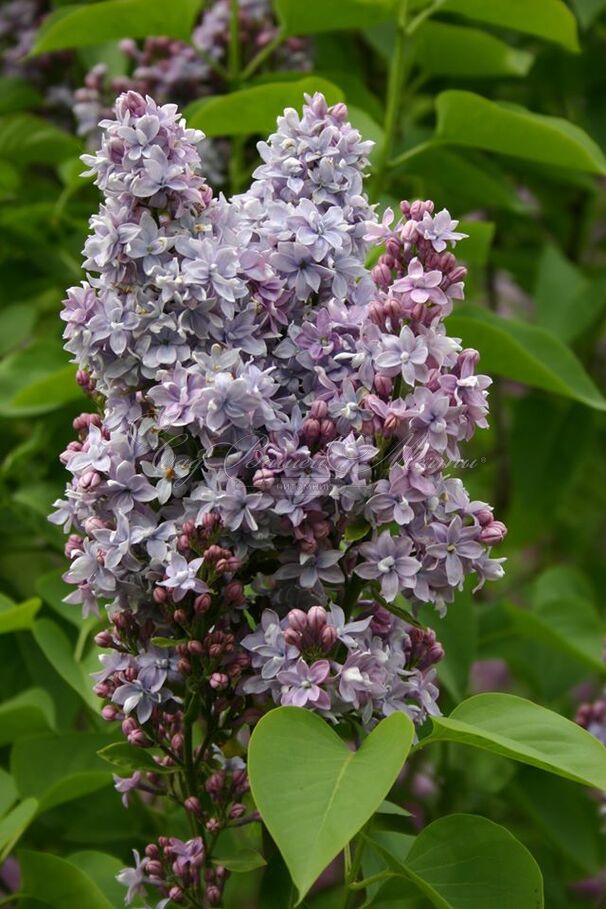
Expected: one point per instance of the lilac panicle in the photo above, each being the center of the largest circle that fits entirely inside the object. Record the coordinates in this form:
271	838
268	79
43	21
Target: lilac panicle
276	432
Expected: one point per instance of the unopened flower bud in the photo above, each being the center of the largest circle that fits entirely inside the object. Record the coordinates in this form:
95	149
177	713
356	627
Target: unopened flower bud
493	533
192	804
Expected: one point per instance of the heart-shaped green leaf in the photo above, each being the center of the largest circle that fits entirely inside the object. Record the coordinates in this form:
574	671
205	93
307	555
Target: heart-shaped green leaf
518	729
313	792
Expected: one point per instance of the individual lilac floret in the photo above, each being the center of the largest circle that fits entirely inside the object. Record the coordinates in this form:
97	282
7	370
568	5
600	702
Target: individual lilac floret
388	560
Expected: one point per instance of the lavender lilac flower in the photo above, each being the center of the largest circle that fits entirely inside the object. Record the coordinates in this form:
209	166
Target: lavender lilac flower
262	498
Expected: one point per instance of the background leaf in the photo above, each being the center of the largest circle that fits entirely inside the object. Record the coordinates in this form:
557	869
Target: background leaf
526	732
75	26
468	119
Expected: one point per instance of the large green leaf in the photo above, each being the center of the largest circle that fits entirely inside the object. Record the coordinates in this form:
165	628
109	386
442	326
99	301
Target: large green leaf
518	729
525	353
102	869
549	19
308	17
27	139
570	625
462	179
76	26
564	813
56	647
466	862
30	712
8	791
17	94
56	769
59	883
254	110
53	589
47	394
19	618
14	824
465	118
567	301
443	49
588	10
16	323
313	792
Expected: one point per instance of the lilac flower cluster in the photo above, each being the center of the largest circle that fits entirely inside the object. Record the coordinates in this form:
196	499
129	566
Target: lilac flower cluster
371	666
262	500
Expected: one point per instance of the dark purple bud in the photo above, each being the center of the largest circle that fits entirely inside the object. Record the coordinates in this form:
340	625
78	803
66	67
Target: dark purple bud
297	619
213	895
328	637
192	804
263	479
202	603
316	619
218	681
318	410
104	639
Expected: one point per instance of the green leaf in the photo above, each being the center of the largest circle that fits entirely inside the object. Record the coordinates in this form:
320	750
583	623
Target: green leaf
465	118
14	825
588	11
567	302
47	394
241	861
56	647
17	94
548	19
518	729
30	712
442	49
8	791
549	439
564	813
53	589
27	139
102	869
570	625
462	180
16	323
57	769
468	862
368	127
304	778
58	883
525	353
254	110
313	16
9	180
129	758
480	235
561	581
19	618
77	26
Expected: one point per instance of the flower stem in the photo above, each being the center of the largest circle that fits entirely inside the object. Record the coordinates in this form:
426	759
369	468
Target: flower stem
234	44
394	91
259	59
